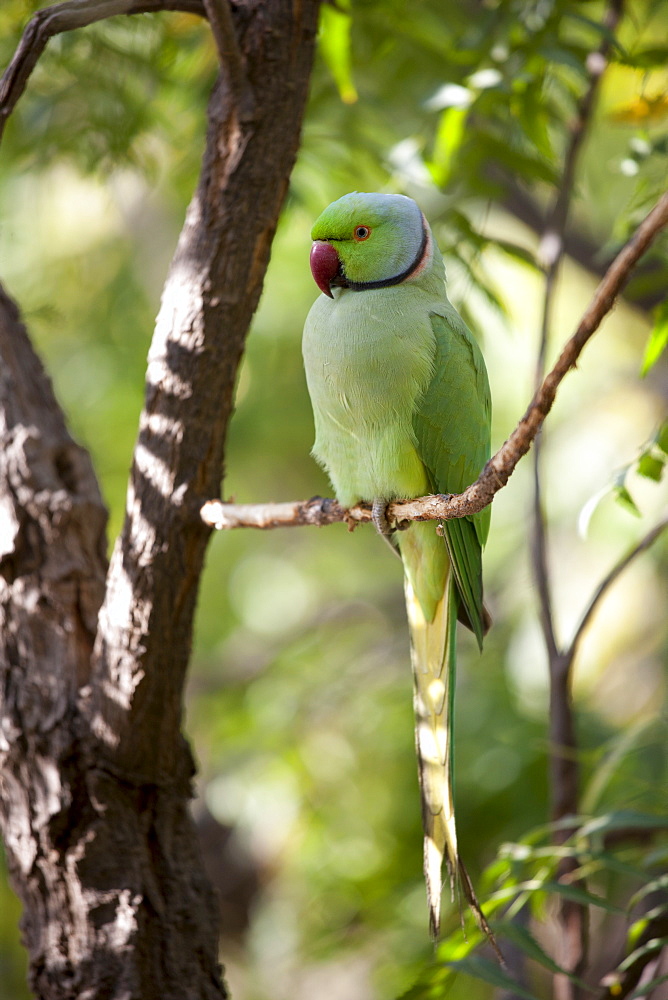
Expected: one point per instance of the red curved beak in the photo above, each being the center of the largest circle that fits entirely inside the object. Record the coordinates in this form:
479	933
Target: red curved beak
325	265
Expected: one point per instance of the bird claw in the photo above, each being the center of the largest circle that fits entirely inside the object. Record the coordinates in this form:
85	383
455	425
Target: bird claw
379	517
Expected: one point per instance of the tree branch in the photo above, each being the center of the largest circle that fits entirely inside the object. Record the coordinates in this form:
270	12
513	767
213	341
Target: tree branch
564	778
501	466
67	17
103	848
231	59
607	582
550	253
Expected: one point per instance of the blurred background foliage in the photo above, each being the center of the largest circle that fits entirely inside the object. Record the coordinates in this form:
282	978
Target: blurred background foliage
299	707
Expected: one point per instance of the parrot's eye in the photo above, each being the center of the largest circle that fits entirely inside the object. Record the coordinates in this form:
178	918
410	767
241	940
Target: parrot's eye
362	233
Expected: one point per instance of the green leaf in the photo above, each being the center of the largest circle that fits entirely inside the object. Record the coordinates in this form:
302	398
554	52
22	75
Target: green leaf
651	468
578	895
518	253
335	45
661	438
448	140
524	164
620	746
655	944
655	885
539	885
624	498
658	339
523	938
488	972
610	862
647	988
566	57
601	29
646	58
621	820
637	929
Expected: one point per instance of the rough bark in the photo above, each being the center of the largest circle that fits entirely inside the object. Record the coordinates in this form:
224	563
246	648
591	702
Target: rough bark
96	775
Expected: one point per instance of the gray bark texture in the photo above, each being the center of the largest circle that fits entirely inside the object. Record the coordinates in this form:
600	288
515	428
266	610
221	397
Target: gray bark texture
95	774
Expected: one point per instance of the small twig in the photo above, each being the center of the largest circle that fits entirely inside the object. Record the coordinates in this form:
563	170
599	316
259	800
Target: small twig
67	17
501	466
607	582
539	560
231	60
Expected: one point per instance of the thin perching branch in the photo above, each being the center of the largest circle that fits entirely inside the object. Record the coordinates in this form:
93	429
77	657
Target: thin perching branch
501	466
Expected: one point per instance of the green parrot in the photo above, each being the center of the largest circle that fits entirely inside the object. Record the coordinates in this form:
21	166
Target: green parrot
402	408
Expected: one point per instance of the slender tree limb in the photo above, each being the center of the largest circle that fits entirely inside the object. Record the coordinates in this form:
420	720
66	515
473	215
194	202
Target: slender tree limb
564	777
231	59
67	17
539	558
608	581
550	253
501	466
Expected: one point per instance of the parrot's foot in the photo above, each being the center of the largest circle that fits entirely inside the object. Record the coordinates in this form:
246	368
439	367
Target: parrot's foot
379	518
378	508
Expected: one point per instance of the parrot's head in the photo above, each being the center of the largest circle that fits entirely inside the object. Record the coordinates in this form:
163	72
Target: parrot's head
367	241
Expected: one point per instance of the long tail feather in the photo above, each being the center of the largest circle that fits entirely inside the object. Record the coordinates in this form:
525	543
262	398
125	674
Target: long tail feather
433	656
434	670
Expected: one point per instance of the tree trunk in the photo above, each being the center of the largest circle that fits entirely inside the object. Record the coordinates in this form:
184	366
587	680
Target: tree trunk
96	775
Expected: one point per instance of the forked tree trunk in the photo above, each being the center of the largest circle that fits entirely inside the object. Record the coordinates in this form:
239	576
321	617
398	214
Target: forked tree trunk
95	774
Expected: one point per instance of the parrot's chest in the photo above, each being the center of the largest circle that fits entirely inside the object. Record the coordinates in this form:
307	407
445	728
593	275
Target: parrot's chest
361	377
367	366
366	359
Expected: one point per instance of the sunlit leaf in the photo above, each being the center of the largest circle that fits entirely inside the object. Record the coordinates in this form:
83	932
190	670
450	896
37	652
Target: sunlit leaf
335	45
447	142
651	468
625	500
658	339
639	926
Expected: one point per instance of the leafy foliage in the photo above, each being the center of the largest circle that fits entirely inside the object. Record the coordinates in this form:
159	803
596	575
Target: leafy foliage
300	703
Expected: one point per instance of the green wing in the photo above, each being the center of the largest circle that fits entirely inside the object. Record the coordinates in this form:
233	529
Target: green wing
452	426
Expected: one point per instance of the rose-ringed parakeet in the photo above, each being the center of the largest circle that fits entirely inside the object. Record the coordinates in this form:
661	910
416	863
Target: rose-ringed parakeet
402	408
